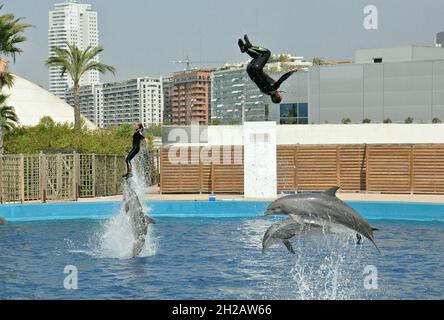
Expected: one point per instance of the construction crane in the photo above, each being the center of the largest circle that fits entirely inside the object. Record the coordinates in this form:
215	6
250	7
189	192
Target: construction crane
188	62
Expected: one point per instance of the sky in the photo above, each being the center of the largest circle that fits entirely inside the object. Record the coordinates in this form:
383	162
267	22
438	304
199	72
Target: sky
143	37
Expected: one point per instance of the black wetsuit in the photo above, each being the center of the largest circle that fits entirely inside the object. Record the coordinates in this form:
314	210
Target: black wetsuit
256	72
137	138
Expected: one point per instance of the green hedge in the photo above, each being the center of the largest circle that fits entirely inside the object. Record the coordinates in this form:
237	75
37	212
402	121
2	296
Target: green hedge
48	135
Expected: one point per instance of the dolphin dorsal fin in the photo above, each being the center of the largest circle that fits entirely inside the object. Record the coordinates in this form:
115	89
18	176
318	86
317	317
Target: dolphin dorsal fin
332	191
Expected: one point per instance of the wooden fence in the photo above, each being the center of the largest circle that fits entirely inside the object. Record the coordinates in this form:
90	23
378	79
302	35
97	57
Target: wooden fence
417	168
190	177
64	177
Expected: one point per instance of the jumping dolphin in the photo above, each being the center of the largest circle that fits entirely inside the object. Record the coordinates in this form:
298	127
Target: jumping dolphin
138	219
324	210
284	230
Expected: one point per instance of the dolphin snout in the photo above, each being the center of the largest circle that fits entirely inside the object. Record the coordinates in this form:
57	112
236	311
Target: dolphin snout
273	209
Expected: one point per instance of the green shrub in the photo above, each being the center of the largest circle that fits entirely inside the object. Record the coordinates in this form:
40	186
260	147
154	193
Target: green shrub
408	120
48	135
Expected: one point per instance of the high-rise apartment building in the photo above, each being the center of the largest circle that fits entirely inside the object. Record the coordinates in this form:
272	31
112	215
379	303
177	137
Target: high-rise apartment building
235	98
191	97
167	100
77	24
122	102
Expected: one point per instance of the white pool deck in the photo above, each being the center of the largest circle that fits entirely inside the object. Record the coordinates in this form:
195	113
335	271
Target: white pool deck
155	196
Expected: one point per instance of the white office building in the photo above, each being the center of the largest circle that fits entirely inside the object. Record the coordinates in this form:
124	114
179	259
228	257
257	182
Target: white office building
122	102
78	24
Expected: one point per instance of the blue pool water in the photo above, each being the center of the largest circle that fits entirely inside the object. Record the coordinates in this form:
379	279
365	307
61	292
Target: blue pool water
214	252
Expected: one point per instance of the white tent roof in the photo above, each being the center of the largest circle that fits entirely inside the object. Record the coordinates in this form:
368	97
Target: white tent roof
32	102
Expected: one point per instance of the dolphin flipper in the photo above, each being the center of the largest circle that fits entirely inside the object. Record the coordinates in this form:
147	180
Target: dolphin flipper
374	243
289	246
358	236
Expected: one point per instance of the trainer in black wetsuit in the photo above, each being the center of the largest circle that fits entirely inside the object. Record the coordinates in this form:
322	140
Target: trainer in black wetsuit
256	72
137	138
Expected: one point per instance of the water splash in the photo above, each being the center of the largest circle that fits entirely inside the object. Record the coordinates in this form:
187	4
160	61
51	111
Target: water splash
115	238
325	267
328	267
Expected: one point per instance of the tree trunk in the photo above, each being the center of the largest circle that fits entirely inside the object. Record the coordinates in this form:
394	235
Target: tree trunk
1	141
77	122
3	77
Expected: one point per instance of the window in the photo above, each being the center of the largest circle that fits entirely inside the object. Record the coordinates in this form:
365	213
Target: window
294	113
377	60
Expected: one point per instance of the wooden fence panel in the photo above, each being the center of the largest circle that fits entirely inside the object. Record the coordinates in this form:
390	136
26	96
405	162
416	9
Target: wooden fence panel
31	178
86	183
317	167
229	174
375	168
428	169
180	177
215	172
286	168
11	184
62	177
389	168
352	166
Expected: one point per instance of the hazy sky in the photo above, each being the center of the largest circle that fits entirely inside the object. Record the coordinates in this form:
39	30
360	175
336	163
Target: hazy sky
143	37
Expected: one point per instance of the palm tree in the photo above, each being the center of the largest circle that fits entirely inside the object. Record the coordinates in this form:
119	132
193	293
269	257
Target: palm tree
76	63
8	119
11	35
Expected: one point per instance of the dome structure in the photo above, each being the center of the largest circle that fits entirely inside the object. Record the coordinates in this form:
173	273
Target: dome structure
32	102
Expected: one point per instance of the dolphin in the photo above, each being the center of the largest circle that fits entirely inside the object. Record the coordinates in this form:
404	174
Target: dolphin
138	219
284	230
2	221
324	210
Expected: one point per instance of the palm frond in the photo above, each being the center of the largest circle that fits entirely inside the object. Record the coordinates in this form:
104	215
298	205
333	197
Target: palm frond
11	29
8	118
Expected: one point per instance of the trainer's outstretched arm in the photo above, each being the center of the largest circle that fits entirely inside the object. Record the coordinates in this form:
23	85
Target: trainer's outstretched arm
282	79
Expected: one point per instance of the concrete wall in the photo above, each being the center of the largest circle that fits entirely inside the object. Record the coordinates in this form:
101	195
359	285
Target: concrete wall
260	168
399	54
377	92
360	134
335	134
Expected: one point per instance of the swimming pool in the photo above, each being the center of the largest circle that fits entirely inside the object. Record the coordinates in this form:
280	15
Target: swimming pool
203	250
